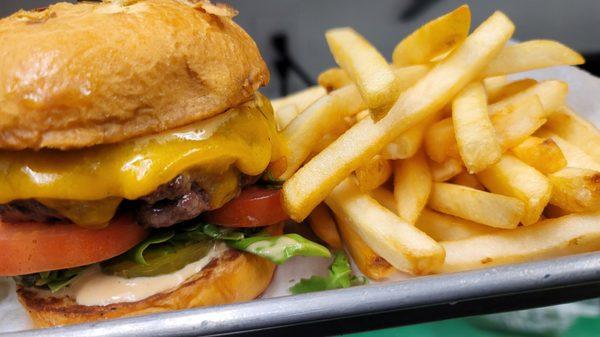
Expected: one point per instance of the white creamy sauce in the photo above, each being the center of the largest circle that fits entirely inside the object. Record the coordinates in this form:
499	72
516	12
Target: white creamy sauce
93	287
275	250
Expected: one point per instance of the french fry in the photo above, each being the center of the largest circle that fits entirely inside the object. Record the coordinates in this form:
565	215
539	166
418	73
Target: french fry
287	108
336	78
514	178
333	78
576	189
446	170
385	198
518	121
512	126
367	68
362	115
530	55
444	227
434	39
328	138
440	142
575	156
494	83
400	243
543	154
320	118
475	134
577	131
485	208
315	180
407	144
412	185
322	224
571	234
407	76
285	114
301	99
410	141
372	265
552	96
373	174
468	180
500	92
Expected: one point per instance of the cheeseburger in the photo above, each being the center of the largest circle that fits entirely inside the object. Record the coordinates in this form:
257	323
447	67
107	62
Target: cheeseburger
133	146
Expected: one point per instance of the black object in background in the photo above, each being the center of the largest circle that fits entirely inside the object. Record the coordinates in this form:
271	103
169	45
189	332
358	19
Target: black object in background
290	32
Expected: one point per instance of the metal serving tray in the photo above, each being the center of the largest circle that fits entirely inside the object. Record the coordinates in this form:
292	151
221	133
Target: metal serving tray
414	300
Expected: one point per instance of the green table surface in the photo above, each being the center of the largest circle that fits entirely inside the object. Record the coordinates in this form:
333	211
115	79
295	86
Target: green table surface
583	327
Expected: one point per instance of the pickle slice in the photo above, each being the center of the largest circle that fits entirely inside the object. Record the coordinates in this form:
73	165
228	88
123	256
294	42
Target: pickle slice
163	260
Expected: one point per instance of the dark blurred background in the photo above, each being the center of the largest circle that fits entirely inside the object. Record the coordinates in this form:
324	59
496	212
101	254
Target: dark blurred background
290	32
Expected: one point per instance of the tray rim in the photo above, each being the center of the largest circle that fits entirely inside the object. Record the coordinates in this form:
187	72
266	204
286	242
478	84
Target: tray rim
337	304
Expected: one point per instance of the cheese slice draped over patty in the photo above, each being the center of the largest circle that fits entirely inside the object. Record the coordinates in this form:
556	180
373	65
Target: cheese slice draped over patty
243	137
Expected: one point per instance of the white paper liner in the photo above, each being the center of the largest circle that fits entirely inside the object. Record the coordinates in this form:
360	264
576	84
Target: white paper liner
584	98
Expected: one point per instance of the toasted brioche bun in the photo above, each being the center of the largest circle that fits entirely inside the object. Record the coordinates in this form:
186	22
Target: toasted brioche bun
77	75
234	277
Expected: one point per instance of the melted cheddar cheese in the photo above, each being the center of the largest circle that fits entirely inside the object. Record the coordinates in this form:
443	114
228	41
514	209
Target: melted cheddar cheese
243	138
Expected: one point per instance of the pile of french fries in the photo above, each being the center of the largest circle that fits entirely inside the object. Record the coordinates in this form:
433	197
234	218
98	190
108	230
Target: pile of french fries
438	162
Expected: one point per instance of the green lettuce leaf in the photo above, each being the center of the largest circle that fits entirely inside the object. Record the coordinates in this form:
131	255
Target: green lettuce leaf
280	248
340	276
221	233
157	238
53	280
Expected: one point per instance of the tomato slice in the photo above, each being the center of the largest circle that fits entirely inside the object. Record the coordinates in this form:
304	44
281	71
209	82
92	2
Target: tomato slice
254	207
30	247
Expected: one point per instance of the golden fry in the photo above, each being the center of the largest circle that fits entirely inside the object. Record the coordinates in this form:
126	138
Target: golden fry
500	92
518	121
552	96
434	39
315	180
322	224
575	156
571	234
530	55
468	180
322	117
372	265
486	208
514	178
400	243
577	131
385	198
475	134
444	227
407	144
446	170
333	79
367	68
576	189
412	185
543	154
373	174
440	141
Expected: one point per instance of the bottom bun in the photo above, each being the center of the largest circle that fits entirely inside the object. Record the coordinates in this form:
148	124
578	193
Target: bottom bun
233	277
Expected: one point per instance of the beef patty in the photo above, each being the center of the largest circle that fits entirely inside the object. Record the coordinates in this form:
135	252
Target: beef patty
178	200
28	210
